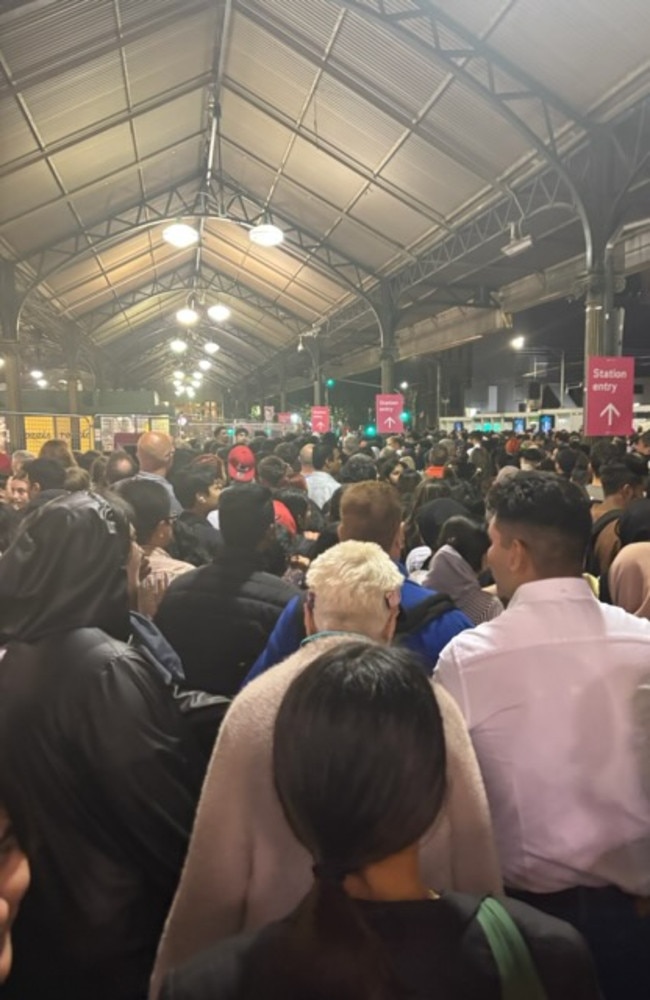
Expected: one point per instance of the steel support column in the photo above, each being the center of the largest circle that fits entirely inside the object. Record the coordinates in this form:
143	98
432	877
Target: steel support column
388	355
9	350
313	348
282	383
11	372
387	315
72	376
595	317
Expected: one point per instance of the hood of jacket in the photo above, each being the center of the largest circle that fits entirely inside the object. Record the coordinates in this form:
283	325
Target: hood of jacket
66	569
451	574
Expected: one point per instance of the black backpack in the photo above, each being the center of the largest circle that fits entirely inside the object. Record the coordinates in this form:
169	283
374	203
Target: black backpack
598	525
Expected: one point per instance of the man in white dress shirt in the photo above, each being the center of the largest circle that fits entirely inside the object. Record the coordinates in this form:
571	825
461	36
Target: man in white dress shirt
325	463
548	692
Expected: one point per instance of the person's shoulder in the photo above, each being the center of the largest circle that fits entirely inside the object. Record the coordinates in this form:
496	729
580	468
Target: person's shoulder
194	577
478	641
618	620
558	951
271	588
215	974
93	650
82	657
413	593
264	693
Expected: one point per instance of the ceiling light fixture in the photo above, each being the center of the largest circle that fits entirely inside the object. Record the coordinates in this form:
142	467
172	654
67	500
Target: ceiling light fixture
210	347
180	235
178	346
315	330
36	374
188	316
265	234
204	365
190	392
219	312
518	243
41	383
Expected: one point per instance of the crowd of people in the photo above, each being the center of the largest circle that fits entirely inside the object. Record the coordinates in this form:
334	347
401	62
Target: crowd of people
326	716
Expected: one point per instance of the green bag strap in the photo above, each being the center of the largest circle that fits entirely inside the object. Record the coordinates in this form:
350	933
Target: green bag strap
519	977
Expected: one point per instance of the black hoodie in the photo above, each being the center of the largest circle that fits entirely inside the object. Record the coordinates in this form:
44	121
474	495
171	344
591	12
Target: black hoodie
98	769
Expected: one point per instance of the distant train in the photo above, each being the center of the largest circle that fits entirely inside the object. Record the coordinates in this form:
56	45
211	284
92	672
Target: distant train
544	420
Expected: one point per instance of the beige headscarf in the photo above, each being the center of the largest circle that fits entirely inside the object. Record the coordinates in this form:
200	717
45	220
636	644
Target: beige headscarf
629	579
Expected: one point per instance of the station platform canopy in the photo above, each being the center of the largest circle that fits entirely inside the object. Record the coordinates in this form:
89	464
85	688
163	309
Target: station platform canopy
430	168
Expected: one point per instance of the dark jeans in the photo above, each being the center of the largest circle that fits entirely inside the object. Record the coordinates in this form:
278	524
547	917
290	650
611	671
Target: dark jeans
615	926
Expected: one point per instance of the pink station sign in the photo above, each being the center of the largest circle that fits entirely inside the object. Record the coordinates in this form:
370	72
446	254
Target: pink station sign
389	408
609	399
320	419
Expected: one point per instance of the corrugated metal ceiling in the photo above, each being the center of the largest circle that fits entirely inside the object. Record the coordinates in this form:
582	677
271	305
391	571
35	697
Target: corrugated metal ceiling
365	141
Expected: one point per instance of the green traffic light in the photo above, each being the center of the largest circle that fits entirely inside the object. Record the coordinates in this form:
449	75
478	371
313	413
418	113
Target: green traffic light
405	417
330	383
371	430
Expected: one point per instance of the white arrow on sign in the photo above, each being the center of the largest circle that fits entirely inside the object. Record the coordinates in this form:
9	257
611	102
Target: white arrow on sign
610	410
389	421
319	426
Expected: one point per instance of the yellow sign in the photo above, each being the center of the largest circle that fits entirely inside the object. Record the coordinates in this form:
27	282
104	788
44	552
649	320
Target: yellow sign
42	427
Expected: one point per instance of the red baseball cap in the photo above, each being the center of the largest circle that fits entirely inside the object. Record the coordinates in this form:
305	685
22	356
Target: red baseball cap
241	464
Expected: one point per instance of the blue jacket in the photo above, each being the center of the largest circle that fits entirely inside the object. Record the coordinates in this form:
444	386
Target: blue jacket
429	641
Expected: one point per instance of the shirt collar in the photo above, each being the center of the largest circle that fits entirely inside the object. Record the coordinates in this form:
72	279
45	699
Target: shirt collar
557	588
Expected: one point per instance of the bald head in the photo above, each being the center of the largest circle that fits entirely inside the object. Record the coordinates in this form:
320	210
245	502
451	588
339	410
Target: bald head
306	457
155	452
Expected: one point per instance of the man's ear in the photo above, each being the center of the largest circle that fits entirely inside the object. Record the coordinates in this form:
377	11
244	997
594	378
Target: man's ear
308	617
163	532
388	630
518	557
398	542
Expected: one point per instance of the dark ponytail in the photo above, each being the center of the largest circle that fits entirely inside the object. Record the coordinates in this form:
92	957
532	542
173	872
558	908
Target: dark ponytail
324	950
359	768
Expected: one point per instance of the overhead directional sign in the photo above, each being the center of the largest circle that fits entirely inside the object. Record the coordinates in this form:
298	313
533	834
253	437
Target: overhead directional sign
389	407
609	402
269	413
320	419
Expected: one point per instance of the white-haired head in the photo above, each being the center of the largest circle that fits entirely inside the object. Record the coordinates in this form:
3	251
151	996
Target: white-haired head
353	587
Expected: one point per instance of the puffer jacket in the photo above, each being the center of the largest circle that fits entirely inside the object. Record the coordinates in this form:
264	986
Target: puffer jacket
219	617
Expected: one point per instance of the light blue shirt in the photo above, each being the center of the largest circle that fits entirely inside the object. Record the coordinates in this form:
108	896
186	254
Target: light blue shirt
155	478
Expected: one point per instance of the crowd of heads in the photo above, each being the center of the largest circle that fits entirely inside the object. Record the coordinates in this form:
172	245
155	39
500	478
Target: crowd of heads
335	515
431	490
